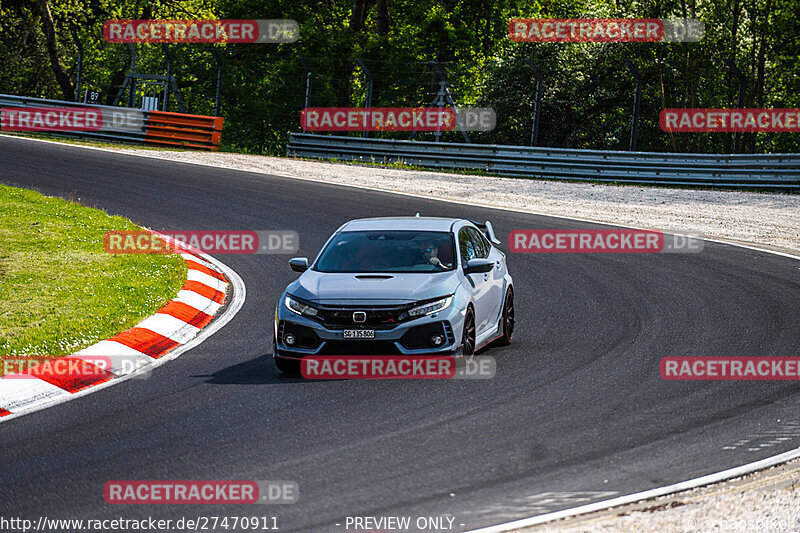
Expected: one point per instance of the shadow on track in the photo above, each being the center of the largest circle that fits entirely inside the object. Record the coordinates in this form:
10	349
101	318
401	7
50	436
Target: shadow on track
258	371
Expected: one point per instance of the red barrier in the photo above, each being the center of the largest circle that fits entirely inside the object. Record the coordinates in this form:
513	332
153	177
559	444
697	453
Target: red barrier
184	131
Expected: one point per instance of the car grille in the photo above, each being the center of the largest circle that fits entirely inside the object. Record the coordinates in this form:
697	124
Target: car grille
377	317
359	348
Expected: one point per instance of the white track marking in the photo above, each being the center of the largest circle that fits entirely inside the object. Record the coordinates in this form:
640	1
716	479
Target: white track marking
22	393
170	327
190	257
197	301
205	279
122	359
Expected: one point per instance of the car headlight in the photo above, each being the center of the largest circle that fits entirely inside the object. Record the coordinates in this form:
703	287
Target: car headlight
430	308
299	307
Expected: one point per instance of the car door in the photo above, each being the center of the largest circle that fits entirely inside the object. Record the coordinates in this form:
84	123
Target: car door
471	247
496	282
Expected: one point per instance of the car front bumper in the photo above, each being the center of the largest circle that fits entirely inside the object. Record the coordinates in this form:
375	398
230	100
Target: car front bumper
412	337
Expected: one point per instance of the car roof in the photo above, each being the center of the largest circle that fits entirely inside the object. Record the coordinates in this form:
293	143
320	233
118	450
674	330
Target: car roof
401	223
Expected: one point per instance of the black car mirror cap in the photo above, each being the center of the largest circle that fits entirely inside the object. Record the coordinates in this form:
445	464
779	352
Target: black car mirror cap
299	264
478	266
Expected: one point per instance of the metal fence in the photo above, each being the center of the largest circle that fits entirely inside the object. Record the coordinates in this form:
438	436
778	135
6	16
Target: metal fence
775	171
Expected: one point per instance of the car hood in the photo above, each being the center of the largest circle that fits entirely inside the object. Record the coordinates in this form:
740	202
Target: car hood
375	288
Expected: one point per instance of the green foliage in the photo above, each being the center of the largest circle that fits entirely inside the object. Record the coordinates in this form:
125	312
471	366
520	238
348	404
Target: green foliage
587	88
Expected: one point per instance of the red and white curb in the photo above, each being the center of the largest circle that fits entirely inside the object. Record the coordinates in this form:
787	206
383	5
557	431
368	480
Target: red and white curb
180	325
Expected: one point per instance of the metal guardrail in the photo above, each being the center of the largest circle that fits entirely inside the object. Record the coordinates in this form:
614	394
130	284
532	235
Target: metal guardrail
178	129
770	171
155	128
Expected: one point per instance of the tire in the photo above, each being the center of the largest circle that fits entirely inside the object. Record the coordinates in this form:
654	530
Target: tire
468	334
507	320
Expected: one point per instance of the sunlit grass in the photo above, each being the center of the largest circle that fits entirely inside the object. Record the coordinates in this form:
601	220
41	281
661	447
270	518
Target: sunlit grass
59	290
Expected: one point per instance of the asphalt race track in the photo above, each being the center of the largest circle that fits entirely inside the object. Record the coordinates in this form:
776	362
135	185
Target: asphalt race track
577	405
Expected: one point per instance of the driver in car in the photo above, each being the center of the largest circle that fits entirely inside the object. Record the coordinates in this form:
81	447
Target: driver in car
430	252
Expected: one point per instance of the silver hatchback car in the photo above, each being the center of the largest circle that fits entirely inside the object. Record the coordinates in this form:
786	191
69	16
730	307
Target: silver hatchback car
397	286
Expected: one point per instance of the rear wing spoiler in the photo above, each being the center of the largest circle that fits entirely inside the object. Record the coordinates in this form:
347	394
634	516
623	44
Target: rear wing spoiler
487	230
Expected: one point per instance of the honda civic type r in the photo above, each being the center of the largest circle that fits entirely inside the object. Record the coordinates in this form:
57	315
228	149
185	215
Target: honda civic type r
397	286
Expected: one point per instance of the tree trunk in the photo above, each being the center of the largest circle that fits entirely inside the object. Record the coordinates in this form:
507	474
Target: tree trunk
737	9
689	81
384	19
358	15
749	140
49	30
672	142
762	56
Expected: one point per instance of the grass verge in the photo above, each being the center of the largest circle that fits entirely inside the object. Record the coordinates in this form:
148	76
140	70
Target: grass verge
59	290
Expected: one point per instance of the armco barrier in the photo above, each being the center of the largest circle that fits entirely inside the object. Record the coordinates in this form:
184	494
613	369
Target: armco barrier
770	171
189	131
151	127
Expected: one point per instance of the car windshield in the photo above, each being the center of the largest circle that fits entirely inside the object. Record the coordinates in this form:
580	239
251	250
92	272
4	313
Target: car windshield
388	251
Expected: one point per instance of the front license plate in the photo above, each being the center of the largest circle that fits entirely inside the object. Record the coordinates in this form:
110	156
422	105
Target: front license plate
359	334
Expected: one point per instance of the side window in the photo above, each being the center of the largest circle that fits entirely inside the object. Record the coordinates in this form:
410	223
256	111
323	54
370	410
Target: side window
480	245
466	245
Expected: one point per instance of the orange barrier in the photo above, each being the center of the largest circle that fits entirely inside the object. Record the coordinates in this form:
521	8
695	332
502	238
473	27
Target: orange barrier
184	131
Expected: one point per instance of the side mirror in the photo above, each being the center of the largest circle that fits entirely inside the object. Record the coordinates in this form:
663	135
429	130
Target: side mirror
299	264
478	266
